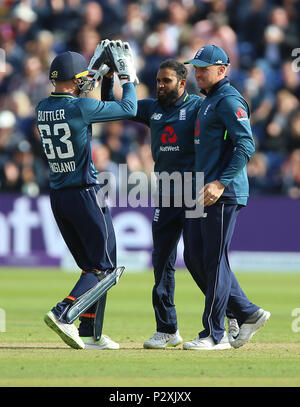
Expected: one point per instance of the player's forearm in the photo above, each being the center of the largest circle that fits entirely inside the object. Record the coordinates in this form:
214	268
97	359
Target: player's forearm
239	159
127	100
128	103
107	89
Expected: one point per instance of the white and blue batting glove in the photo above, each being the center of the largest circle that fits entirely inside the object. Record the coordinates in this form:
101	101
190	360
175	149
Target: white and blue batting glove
97	68
99	57
129	55
122	57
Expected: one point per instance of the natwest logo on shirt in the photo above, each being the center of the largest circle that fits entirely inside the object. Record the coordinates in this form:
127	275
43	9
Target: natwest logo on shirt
168	136
241	114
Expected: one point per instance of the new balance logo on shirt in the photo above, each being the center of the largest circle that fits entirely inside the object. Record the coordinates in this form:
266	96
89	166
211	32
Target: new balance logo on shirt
156	116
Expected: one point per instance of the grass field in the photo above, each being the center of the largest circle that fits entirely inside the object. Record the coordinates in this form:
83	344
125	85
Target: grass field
31	355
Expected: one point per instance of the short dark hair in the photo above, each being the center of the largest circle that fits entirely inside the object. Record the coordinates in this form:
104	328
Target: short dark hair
178	67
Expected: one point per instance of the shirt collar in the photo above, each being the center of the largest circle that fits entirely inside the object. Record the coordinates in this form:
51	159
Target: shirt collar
182	99
62	94
215	87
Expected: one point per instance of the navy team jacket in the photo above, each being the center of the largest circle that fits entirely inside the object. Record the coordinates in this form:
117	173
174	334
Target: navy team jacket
224	141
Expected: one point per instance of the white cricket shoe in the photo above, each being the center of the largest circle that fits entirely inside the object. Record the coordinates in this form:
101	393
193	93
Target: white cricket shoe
103	343
68	332
161	340
233	328
250	327
207	343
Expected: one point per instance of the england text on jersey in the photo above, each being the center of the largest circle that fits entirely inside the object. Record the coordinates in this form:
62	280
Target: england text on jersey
68	166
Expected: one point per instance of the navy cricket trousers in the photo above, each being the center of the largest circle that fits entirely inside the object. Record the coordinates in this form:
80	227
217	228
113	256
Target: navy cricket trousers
167	225
86	226
208	241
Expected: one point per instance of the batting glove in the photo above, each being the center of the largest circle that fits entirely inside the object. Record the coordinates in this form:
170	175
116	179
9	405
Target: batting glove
129	54
100	57
121	55
99	66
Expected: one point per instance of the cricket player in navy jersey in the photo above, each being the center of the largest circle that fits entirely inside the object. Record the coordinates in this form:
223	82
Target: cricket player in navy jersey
171	118
64	121
223	146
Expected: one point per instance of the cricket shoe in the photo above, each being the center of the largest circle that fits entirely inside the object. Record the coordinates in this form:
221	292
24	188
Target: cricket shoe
68	332
161	340
250	327
103	343
233	328
207	343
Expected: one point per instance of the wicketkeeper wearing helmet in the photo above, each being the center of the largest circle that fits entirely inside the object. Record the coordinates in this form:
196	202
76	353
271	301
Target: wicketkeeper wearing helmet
64	121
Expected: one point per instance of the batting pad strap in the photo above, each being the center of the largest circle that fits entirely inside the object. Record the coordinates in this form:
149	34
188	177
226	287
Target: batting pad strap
69	300
89	298
89	316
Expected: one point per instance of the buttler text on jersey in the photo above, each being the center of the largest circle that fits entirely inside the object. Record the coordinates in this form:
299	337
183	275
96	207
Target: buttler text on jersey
51	115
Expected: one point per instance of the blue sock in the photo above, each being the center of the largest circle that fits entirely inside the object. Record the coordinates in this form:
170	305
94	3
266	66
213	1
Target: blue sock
86	281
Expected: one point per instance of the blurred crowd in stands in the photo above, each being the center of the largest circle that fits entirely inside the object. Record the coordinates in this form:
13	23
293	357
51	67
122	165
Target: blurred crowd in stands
261	37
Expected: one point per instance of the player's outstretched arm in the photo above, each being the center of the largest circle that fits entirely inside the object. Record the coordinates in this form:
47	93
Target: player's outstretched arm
107	89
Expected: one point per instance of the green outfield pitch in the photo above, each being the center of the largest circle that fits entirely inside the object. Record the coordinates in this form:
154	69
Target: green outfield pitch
31	355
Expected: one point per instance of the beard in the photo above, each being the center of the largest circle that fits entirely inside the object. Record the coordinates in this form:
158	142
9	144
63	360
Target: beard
168	98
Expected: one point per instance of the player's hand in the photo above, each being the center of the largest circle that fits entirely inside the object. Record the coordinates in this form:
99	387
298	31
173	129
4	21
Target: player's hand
122	58
211	192
99	58
100	63
129	54
98	67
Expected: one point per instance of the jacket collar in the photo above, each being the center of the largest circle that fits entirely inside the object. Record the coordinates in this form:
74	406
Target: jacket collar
215	87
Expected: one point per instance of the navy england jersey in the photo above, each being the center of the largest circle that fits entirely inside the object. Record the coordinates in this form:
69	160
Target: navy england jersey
172	132
172	129
64	123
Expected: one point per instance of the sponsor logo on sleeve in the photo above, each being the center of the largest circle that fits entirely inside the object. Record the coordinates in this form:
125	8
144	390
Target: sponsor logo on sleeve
241	114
